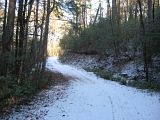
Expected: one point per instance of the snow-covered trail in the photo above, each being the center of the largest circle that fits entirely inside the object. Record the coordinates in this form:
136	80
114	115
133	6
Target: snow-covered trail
92	98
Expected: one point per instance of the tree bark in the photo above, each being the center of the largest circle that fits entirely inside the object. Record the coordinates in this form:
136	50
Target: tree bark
114	12
144	43
149	10
7	36
136	11
21	21
45	35
5	15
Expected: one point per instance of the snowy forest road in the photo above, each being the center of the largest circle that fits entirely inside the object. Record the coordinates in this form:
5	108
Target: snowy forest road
89	97
93	98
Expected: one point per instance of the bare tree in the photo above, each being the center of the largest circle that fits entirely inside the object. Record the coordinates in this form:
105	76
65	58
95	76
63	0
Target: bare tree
7	36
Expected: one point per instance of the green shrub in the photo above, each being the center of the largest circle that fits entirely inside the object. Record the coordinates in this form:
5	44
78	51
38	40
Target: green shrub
141	84
101	73
123	82
4	86
23	90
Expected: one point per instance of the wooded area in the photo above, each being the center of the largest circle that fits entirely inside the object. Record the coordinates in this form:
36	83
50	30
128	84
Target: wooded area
130	27
23	46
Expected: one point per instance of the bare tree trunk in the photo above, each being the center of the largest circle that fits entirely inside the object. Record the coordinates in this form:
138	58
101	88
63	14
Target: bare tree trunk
16	47
84	15
21	21
144	42
45	35
26	26
77	26
5	15
41	37
118	14
114	24
7	36
125	15
108	9
26	48
97	14
114	12
130	11
149	10
35	38
153	10
136	11
2	59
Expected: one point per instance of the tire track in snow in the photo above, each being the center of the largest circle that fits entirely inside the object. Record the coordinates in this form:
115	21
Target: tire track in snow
112	107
